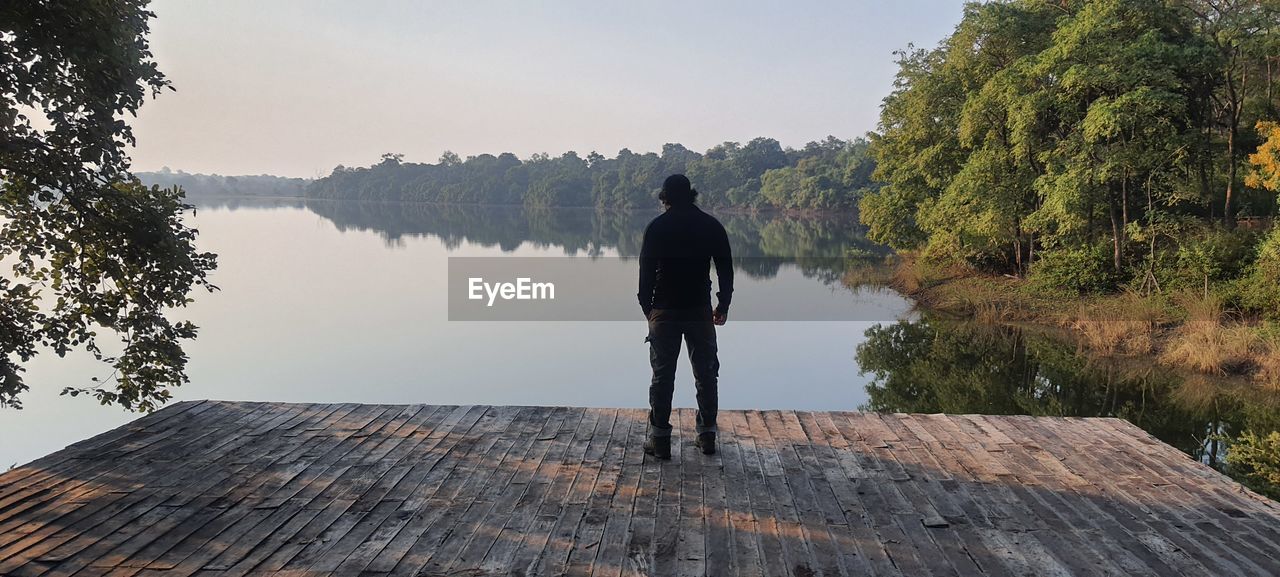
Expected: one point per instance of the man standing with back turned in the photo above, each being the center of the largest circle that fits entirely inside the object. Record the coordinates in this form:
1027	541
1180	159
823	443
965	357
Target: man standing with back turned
675	295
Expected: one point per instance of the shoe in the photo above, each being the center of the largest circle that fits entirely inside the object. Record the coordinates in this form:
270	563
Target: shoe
659	447
707	442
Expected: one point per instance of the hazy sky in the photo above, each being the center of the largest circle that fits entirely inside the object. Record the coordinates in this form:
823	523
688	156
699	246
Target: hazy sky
298	87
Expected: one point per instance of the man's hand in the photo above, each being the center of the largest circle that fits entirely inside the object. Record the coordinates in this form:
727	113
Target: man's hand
718	318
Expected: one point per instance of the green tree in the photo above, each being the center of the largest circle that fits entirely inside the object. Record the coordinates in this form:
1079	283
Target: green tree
915	149
830	175
1040	132
1256	458
954	146
91	247
1125	75
1242	34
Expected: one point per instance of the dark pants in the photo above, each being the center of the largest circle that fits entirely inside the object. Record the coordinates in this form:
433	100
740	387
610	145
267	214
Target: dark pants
666	328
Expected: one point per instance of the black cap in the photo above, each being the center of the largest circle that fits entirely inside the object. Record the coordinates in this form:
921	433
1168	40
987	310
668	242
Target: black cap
677	190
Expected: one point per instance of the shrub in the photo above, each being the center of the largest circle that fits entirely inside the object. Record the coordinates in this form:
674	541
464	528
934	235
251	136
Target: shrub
1255	460
1259	290
1210	257
1084	269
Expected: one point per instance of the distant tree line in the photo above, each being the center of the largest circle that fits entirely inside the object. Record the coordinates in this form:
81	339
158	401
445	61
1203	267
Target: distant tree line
830	175
217	185
1099	144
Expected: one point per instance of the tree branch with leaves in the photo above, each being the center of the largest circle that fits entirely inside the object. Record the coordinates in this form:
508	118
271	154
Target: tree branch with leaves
90	249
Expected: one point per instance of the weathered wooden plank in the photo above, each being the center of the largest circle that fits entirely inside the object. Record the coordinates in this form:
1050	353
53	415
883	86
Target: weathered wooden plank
257	540
801	466
605	463
744	554
441	510
624	456
1101	488
767	538
467	543
539	510
338	490
1119	514
52	469
79	480
537	475
850	536
861	431
561	511
638	553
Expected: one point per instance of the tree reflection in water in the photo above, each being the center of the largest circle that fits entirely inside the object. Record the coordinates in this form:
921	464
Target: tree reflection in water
939	365
762	242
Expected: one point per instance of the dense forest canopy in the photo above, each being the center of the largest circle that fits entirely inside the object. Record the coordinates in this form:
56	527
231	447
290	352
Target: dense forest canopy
1095	144
830	175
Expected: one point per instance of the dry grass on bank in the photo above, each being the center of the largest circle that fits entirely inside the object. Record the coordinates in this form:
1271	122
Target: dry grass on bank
1205	342
910	276
1269	363
1125	324
987	299
868	274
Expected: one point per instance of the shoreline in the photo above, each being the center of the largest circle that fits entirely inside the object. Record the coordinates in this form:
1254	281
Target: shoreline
1188	333
734	210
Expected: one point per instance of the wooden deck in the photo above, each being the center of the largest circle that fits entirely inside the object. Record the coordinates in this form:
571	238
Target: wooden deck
226	489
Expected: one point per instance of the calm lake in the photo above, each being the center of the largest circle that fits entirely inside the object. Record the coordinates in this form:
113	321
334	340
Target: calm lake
346	302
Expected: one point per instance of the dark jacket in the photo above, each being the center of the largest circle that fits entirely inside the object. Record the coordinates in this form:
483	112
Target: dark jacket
675	261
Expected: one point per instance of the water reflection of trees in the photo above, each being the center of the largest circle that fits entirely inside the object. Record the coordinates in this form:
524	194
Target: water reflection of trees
937	365
243	202
763	242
